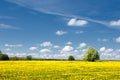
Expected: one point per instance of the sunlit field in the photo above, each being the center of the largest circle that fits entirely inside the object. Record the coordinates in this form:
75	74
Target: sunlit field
59	70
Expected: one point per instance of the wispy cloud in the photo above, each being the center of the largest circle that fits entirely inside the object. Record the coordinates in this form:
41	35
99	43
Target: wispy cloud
6	17
32	48
102	39
6	26
79	32
51	7
60	32
13	45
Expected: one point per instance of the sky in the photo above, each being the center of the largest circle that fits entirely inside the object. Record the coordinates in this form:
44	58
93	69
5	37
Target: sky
60	28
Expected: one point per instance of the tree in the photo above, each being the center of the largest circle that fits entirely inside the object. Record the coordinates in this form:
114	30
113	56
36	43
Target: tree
15	58
4	57
0	52
71	58
29	57
91	54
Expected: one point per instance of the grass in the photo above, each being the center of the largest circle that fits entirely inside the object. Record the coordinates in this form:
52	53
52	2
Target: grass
59	70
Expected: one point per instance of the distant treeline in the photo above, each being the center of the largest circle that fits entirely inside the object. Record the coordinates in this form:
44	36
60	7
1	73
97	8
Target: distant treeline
91	54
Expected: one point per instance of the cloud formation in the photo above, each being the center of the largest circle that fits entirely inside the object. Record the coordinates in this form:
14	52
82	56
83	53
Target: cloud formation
45	50
118	39
5	26
109	53
79	32
56	46
82	45
60	32
102	39
33	48
6	17
75	22
69	43
47	8
67	49
46	44
102	49
115	23
13	45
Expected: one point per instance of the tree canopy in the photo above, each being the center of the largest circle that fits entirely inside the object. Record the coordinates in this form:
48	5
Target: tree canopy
91	54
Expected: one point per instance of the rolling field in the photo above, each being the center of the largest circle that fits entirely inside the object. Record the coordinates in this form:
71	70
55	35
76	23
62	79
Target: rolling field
59	70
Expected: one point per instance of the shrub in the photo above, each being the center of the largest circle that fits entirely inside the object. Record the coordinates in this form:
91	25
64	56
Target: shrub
29	57
71	58
91	54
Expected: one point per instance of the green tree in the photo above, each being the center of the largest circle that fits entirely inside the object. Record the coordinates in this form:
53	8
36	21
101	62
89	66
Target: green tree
29	57
91	54
15	58
71	58
0	52
4	57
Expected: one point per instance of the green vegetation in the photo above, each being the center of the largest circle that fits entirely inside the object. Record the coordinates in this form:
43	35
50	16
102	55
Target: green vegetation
91	54
71	58
29	57
3	56
14	58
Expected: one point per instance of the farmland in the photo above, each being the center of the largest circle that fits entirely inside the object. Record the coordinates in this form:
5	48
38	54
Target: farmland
59	70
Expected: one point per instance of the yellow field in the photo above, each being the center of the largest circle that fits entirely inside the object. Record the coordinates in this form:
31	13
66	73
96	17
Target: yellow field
59	70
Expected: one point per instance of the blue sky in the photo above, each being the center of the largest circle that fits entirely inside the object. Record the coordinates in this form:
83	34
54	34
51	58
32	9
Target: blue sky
57	29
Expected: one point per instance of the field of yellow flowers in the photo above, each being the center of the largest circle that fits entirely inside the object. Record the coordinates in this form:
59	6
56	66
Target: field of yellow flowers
59	70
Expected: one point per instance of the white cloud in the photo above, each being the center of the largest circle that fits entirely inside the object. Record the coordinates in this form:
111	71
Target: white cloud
76	51
5	26
102	39
45	50
69	43
115	23
60	32
13	45
110	54
82	45
118	39
8	49
75	22
108	51
56	46
102	49
6	17
46	44
79	32
67	49
33	48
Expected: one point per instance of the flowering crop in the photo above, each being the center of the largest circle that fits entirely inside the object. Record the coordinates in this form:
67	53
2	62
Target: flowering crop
59	70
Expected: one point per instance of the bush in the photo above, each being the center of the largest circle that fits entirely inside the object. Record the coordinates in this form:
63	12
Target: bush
29	57
4	57
71	58
91	55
